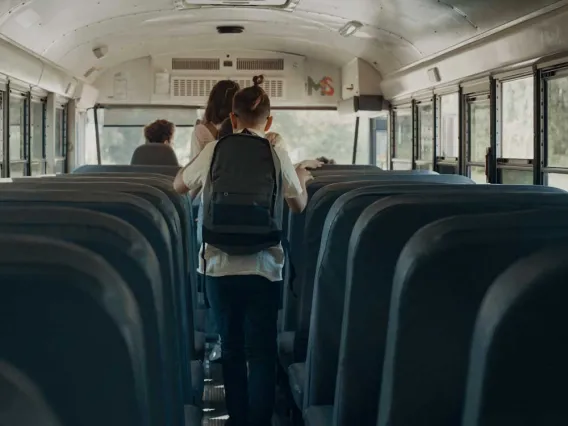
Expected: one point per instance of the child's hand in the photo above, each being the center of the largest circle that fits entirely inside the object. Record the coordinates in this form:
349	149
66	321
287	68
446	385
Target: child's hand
275	140
310	164
303	174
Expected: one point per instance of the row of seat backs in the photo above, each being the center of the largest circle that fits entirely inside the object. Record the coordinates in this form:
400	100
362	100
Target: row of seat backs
517	371
154	154
294	317
479	248
114	168
116	204
358	359
305	239
27	404
157	154
332	265
98	325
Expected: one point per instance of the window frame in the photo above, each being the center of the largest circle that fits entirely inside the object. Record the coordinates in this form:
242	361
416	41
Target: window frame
24	141
4	96
374	149
471	99
42	162
394	160
61	157
542	169
417	161
442	164
503	163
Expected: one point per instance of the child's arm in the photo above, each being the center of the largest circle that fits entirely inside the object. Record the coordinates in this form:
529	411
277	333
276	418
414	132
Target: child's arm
309	164
294	180
191	177
298	204
202	134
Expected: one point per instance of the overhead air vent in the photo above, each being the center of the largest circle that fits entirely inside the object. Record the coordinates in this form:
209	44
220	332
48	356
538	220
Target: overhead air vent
192	87
230	29
273	87
200	87
246	64
195	64
287	5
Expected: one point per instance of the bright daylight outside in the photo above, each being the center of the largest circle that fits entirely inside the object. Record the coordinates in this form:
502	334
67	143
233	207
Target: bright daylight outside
307	134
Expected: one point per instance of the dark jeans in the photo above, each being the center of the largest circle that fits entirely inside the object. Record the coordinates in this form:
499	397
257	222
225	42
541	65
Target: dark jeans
246	312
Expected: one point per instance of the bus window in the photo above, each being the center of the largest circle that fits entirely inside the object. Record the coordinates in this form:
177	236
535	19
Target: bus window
17	105
517	118
382	141
59	132
449	126
516	177
122	131
315	133
557	124
478	136
363	143
477	174
425	137
90	153
426	131
558	180
402	155
37	150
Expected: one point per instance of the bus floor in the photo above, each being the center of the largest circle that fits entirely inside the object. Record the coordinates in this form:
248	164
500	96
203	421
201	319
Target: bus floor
214	411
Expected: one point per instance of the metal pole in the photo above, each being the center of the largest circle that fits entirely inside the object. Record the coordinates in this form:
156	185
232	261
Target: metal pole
7	129
356	140
97	136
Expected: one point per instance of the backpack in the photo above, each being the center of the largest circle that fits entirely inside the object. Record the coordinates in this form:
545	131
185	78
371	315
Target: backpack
242	196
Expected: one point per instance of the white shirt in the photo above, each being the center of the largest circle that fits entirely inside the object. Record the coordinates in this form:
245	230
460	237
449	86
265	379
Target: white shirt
267	263
200	137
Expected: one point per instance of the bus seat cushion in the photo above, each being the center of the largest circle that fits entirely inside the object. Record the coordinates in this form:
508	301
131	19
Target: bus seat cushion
297	380
199	345
286	348
318	415
200	320
197	380
193	415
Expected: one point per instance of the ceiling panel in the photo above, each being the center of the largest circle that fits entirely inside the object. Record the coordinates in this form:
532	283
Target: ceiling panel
396	33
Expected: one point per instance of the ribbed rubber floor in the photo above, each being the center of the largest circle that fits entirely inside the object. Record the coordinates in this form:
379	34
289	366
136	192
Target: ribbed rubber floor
214	412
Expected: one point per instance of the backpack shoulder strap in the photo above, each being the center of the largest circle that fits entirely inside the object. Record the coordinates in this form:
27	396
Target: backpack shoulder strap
212	129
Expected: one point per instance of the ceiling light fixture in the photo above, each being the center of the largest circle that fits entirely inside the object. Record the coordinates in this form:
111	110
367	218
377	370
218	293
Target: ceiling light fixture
285	5
350	28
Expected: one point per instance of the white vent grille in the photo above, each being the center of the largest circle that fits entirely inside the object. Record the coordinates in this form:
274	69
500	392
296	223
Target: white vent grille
273	87
195	64
192	87
246	64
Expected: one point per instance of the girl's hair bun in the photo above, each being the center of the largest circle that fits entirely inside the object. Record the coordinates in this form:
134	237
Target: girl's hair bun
258	80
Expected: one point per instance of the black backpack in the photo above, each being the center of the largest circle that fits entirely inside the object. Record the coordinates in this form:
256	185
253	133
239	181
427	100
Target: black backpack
242	196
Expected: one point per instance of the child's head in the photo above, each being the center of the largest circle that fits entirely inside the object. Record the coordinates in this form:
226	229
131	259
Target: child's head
160	131
251	107
220	101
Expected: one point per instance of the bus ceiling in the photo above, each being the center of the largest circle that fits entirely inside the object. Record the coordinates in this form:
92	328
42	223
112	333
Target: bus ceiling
411	45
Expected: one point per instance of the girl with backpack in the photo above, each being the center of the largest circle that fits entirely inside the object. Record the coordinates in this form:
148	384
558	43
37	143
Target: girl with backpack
245	181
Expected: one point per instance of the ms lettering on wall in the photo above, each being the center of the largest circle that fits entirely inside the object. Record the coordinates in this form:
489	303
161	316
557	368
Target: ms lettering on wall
324	86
